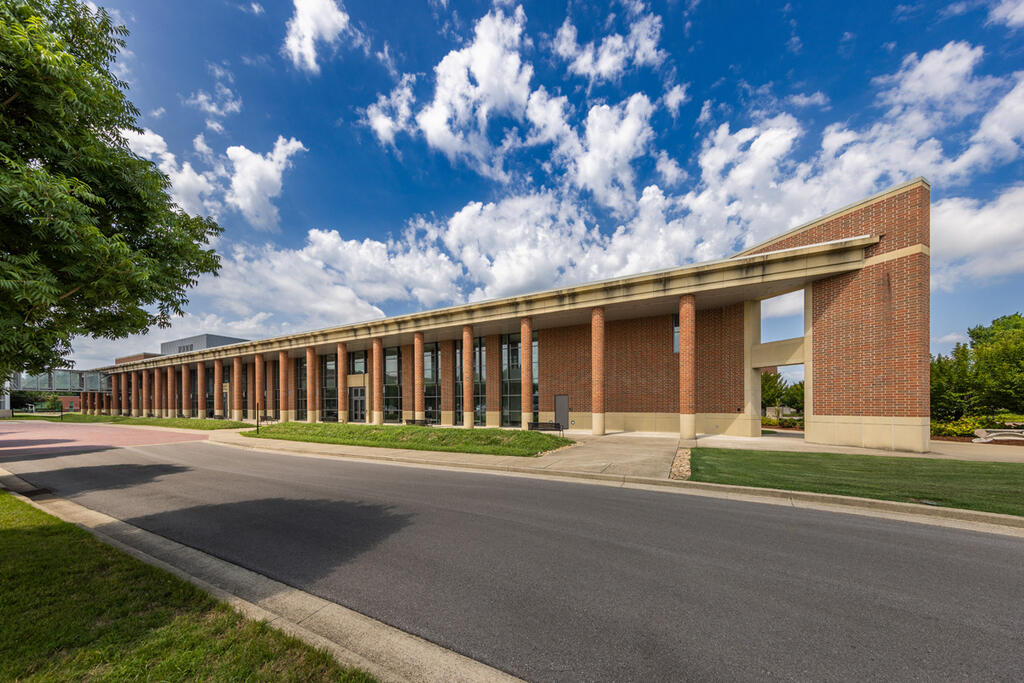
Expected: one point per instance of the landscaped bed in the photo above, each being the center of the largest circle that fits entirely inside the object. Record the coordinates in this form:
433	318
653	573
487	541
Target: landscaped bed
180	422
448	439
76	609
986	486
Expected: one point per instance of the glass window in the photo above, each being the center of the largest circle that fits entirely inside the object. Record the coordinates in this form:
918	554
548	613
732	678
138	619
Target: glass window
479	381
511	382
675	333
357	362
457	370
357	404
393	384
432	383
328	389
209	392
300	394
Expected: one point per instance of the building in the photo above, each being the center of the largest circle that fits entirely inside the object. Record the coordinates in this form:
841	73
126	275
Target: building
197	343
673	350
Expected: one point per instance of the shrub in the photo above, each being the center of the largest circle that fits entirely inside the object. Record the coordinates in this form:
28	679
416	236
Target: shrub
965	426
769	422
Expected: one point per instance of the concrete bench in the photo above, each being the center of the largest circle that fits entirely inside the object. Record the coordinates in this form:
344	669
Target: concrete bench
545	426
990	435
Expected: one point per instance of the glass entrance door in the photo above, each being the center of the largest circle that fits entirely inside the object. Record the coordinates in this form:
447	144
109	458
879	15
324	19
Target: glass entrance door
357	404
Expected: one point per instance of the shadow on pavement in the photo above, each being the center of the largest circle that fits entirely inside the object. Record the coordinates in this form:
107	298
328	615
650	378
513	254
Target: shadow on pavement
72	481
296	541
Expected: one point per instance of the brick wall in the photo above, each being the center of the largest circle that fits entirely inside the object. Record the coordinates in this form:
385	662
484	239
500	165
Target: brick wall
720	359
870	327
408	391
641	371
493	343
564	357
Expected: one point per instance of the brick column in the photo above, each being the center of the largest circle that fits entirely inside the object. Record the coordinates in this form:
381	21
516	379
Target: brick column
261	387
447	377
172	393
236	388
284	387
467	376
186	390
342	366
687	367
312	405
136	393
126	406
269	374
526	369
368	388
418	401
378	381
158	392
218	388
200	407
104	404
115	402
146	406
597	370
292	382
250	390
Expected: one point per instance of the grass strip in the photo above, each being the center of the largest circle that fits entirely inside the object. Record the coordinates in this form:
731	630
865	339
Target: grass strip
447	439
74	608
985	486
180	422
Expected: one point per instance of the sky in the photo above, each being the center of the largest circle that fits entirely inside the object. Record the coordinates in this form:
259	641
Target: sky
376	158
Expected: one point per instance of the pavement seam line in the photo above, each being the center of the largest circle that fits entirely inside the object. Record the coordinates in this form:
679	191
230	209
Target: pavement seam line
400	656
986	522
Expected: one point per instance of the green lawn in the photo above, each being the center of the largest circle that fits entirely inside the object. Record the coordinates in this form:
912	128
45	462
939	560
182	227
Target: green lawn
72	608
987	486
181	422
457	440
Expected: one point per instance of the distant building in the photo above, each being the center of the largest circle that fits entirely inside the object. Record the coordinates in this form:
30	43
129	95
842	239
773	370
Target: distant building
197	343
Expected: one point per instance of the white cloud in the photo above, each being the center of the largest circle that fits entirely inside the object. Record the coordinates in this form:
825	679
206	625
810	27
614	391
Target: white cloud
392	113
976	240
253	8
705	113
613	138
214	125
816	99
190	189
950	339
675	98
611	58
1009	12
256	179
316	21
472	85
204	150
783	306
221	103
669	169
157	113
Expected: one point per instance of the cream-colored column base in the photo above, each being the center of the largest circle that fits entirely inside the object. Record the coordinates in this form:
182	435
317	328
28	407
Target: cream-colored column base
378	417
493	418
236	415
420	415
219	414
467	419
687	426
287	415
186	412
447	418
201	413
597	424
312	416
891	433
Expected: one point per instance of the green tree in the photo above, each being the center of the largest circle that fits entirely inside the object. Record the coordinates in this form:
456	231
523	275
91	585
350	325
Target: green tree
999	363
773	388
91	242
954	385
794	396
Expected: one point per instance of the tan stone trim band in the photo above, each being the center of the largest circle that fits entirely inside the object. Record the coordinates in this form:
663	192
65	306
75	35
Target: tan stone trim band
899	253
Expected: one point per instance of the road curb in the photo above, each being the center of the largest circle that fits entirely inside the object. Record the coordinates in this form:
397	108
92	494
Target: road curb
910	511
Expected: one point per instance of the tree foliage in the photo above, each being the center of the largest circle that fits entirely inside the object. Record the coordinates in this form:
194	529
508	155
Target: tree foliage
773	389
794	396
91	241
984	376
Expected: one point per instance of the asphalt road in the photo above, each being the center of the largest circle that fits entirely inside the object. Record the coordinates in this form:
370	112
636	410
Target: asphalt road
562	581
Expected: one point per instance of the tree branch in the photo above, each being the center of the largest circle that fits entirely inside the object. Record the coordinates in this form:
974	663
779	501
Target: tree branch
9	100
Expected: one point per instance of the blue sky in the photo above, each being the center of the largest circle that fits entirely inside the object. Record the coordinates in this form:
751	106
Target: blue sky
369	159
